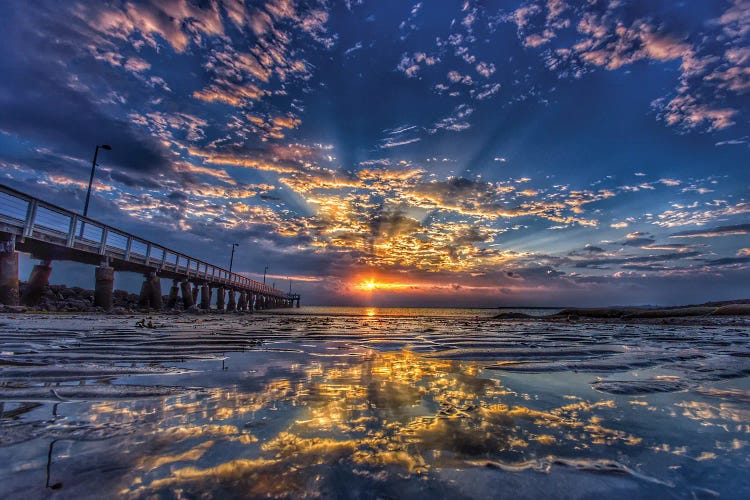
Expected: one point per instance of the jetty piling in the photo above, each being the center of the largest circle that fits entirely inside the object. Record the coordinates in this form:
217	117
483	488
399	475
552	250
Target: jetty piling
37	284
104	286
8	270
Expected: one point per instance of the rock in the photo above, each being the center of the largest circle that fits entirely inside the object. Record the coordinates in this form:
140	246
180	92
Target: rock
13	309
512	315
676	312
732	310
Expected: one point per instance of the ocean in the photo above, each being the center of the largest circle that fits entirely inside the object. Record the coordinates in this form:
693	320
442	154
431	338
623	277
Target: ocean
427	312
319	403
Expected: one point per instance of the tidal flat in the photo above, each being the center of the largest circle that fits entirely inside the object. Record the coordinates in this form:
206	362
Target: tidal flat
358	406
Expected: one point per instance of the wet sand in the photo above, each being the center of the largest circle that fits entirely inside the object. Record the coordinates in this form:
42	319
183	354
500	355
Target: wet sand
286	405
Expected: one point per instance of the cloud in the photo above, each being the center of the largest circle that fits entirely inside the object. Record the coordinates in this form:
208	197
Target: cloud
485	91
485	69
612	37
684	215
670	182
137	65
456	122
737	229
685	110
456	77
643	259
411	64
400	136
357	46
732	142
178	22
390	143
592	249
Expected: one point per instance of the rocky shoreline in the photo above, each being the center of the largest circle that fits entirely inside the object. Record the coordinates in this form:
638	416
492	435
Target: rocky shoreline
64	299
710	311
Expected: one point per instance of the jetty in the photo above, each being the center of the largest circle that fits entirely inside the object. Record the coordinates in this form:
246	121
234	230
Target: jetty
51	233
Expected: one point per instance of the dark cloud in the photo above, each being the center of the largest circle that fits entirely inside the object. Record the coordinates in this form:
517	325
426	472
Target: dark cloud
393	224
725	261
598	263
41	100
637	242
592	249
736	229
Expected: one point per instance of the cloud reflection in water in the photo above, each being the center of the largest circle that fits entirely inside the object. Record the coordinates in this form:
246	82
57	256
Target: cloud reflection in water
393	413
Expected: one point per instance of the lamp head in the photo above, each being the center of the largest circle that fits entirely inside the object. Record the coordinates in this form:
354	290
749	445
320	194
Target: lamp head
106	146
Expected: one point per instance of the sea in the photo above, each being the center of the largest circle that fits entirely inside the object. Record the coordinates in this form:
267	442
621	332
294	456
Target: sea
372	403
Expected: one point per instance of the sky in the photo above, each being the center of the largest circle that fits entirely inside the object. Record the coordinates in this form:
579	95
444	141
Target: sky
390	153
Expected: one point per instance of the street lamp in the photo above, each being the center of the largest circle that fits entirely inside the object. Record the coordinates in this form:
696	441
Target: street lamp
91	179
264	274
231	260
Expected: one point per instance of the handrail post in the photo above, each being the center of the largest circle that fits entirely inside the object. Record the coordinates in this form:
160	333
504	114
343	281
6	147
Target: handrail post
72	231
103	243
128	245
30	216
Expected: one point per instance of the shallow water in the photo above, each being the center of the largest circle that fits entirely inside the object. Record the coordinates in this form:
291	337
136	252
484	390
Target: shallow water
357	406
424	312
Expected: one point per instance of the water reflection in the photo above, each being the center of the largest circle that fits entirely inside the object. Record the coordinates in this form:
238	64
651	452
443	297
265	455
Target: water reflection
391	414
375	406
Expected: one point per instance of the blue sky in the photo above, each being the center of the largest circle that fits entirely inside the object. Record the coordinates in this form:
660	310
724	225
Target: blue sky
473	153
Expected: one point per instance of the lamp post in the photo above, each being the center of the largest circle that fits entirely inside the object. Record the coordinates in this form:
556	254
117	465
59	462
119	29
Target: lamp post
91	179
231	259
264	274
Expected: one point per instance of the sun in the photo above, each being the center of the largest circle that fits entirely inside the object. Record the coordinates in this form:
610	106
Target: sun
369	285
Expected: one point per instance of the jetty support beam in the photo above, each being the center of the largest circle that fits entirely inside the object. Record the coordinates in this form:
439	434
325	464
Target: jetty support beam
174	294
38	283
188	299
104	286
205	297
8	270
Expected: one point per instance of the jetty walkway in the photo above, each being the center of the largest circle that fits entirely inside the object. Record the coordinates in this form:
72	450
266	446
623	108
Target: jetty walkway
48	232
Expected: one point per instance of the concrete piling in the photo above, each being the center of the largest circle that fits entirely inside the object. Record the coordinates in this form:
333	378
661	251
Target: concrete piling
188	298
155	298
174	293
220	296
104	287
242	302
205	297
38	283
144	298
8	270
232	306
196	289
